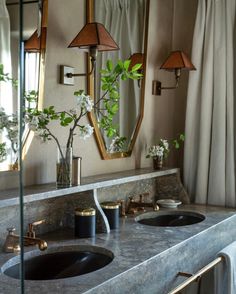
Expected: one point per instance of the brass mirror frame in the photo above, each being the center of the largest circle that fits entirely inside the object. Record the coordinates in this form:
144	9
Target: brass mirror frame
90	90
28	137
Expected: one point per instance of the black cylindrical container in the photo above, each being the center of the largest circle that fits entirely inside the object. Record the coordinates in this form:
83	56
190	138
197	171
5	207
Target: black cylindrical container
111	210
85	222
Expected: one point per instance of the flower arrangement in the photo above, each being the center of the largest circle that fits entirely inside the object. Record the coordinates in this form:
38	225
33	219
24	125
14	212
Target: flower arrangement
39	120
159	150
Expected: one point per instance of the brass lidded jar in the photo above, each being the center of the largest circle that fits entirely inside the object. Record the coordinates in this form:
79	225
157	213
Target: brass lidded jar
85	222
111	210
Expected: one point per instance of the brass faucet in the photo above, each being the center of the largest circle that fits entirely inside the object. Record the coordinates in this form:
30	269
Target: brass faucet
135	206
12	242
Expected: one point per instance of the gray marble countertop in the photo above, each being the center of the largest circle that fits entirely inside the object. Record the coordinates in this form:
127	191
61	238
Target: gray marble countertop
45	191
146	260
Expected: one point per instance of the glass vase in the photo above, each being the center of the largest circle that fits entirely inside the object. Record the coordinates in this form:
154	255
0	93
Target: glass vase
158	162
64	167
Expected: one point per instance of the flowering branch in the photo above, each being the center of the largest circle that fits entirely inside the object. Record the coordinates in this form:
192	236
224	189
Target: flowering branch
162	149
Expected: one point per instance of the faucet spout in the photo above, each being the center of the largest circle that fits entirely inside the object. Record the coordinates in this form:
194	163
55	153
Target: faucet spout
12	242
42	245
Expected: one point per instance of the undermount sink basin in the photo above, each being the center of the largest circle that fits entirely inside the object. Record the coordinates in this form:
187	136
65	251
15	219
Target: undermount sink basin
170	218
71	262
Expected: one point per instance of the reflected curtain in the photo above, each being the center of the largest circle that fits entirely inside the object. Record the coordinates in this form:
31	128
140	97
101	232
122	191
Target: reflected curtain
125	21
5	57
209	159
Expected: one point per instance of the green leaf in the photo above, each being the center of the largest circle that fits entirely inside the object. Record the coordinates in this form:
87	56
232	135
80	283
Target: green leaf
123	77
109	65
111	132
104	71
115	108
105	87
182	137
136	67
78	93
127	64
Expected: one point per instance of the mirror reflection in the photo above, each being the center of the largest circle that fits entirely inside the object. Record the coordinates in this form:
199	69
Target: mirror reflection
124	20
34	36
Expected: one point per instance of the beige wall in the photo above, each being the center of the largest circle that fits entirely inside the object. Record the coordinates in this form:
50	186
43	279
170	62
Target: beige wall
170	27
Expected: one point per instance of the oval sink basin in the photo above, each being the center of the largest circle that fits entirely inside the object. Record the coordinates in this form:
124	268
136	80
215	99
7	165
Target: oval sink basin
62	264
170	218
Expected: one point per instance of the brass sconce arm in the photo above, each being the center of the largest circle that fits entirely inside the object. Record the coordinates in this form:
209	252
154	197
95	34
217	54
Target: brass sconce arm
93	52
176	61
156	85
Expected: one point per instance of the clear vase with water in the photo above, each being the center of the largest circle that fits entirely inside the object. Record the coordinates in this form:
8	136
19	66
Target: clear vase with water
64	167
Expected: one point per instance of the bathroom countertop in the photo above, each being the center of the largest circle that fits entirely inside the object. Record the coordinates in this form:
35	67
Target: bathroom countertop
147	259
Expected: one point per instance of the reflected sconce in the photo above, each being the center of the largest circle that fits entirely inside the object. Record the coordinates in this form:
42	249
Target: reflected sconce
33	43
94	38
176	61
135	59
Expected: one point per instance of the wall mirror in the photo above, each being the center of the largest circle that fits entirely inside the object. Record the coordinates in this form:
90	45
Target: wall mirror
127	22
34	37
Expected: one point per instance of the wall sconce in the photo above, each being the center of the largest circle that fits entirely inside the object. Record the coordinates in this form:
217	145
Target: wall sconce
176	61
33	43
134	59
93	37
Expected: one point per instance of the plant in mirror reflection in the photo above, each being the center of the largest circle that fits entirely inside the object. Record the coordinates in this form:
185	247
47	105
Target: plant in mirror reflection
3	152
117	144
8	124
110	80
5	77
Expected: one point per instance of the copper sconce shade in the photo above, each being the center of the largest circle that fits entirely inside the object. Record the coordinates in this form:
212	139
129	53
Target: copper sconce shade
136	58
33	43
176	61
94	35
36	42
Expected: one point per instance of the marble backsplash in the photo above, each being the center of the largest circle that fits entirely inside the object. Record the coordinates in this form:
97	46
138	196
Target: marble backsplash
59	212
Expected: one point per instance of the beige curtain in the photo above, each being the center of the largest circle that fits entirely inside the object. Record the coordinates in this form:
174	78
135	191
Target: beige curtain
209	159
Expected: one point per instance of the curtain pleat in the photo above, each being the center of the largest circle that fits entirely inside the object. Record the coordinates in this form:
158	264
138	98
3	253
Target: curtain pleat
209	159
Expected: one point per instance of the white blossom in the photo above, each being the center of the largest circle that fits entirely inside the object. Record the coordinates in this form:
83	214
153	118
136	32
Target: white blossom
84	101
33	123
114	145
156	151
85	131
165	144
159	150
42	117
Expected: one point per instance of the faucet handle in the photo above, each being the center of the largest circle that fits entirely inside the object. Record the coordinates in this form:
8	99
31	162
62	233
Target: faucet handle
31	232
37	223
